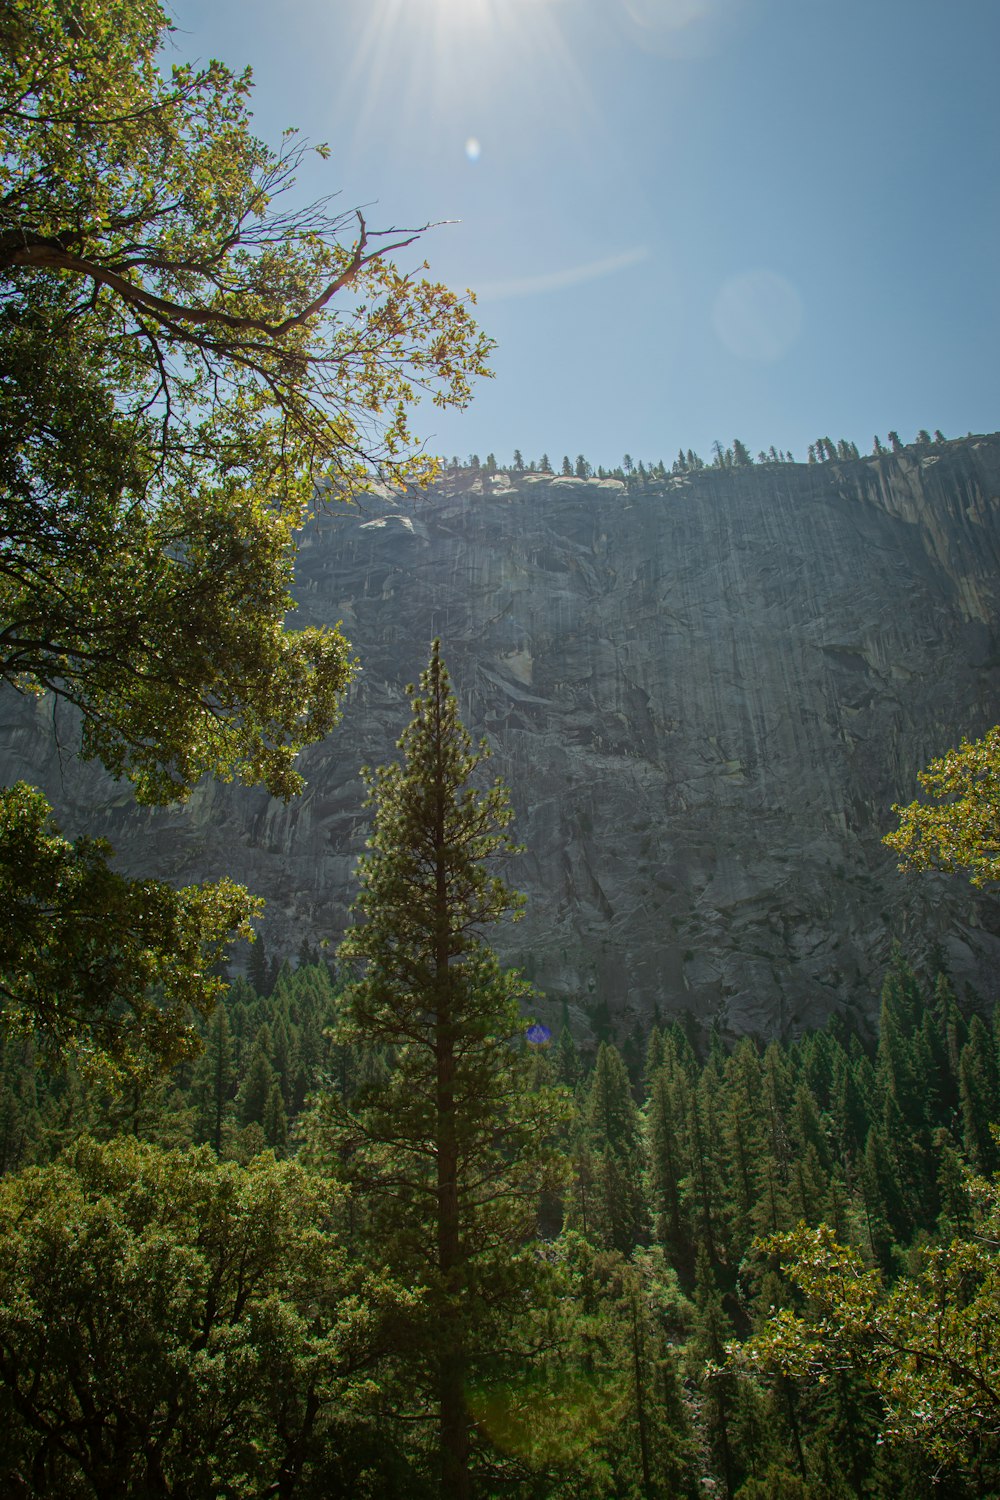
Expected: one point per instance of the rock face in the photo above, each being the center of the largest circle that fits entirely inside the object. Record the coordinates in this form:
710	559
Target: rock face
704	695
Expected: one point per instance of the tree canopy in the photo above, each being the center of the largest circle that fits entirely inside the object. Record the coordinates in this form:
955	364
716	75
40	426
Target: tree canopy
958	828
185	360
175	1325
926	1344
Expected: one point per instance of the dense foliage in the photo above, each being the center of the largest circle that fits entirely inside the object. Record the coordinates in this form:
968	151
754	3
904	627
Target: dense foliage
185	361
622	1375
957	826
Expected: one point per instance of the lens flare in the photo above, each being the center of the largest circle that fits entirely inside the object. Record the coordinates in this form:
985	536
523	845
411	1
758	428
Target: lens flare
758	315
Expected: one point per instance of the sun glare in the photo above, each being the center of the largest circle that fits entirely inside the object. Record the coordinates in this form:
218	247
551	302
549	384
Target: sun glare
432	57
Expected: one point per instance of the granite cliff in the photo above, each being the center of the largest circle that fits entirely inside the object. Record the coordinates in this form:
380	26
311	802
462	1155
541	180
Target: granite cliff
704	695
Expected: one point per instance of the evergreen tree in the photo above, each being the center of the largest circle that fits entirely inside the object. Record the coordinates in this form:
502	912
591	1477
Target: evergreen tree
567	1059
666	1170
711	1332
613	1137
445	1145
256	1088
744	1133
979	1096
544	466
258	971
518	463
275	1121
213	1082
567	467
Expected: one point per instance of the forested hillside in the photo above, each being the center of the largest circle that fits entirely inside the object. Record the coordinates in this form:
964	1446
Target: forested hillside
622	1377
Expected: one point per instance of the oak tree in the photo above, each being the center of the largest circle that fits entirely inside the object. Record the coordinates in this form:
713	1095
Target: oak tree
958	827
175	1325
186	357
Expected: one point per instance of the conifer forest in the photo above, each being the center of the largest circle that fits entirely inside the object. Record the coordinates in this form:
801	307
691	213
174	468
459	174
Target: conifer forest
367	1220
770	1271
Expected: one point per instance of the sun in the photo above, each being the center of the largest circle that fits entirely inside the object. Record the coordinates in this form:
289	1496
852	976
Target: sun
429	56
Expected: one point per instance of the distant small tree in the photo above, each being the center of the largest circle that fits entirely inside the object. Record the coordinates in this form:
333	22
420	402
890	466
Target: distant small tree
812	453
544	464
518	464
877	446
923	436
474	462
213	1083
627	463
491	463
583	469
895	443
718	454
741	454
939	436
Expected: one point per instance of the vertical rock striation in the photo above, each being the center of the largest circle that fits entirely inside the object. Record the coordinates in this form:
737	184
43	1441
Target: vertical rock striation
705	696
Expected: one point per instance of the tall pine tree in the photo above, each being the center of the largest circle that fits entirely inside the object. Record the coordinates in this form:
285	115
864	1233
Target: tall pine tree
446	1143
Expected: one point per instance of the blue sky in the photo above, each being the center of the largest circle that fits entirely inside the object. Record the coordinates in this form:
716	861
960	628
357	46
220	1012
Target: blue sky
684	219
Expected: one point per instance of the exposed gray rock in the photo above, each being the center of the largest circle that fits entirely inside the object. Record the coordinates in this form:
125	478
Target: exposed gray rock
704	696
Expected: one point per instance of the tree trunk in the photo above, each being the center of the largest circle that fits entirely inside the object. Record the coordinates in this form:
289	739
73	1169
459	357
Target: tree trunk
453	1413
